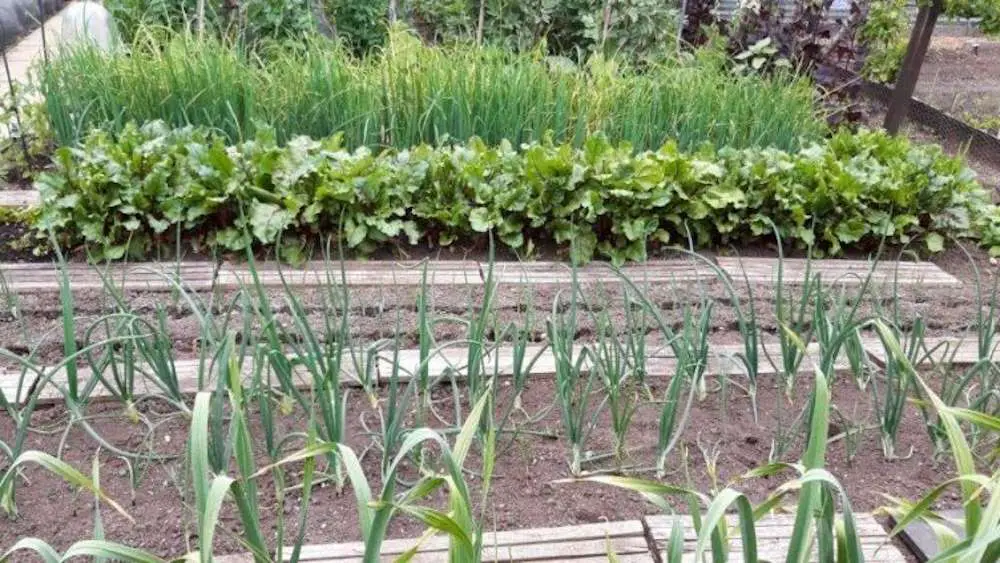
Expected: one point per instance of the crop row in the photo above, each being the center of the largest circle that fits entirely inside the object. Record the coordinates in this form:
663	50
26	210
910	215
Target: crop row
152	185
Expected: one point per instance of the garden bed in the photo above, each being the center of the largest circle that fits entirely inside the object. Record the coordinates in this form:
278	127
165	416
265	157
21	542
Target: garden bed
721	441
524	492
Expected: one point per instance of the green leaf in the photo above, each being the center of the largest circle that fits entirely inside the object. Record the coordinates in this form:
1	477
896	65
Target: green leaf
356	233
935	242
268	220
479	220
57	467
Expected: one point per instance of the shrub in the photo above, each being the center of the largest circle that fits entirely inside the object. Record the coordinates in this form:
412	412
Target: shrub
136	191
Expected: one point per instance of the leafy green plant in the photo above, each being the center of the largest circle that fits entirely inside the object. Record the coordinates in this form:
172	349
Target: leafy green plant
252	21
884	36
981	525
28	139
135	192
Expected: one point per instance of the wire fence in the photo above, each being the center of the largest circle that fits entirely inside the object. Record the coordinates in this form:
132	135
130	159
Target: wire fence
980	144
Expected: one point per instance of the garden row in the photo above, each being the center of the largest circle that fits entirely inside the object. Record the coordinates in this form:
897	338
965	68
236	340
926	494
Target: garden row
410	93
247	458
153	185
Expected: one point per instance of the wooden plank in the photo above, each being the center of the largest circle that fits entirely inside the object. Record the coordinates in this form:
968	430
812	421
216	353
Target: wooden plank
188	373
449	361
773	534
355	273
18	198
658	271
143	276
582	543
163	276
920	539
950	351
850	273
770	527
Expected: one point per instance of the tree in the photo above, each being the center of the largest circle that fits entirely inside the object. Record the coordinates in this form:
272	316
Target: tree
920	39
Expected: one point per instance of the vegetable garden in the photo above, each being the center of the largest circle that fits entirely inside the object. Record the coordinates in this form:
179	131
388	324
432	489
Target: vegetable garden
418	274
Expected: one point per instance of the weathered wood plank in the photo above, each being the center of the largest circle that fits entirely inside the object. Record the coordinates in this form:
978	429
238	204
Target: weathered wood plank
773	535
165	276
769	527
193	375
952	351
18	198
582	543
920	539
764	271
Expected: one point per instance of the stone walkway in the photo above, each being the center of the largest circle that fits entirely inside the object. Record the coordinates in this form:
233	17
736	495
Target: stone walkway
22	55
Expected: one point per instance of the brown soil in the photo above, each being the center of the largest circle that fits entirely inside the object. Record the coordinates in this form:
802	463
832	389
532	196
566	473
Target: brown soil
961	76
524	495
33	323
721	433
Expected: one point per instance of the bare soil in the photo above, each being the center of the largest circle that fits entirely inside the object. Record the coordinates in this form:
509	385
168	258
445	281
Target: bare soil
961	76
721	442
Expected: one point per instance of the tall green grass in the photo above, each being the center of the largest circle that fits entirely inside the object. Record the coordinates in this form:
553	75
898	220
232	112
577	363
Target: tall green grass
410	93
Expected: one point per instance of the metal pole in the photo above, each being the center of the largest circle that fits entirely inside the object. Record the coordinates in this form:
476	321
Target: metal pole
13	96
906	83
41	23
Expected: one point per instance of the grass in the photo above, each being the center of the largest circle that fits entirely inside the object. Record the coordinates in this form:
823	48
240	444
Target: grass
411	94
438	470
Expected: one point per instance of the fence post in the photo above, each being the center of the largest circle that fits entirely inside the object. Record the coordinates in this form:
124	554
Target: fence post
42	18
13	96
906	83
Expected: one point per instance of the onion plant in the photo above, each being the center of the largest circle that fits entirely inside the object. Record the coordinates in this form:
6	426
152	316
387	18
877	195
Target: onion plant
323	357
55	466
411	94
891	395
574	378
211	482
837	327
42	378
481	322
522	363
425	336
815	523
691	350
981	524
613	361
794	318
98	550
746	322
977	386
392	412
375	511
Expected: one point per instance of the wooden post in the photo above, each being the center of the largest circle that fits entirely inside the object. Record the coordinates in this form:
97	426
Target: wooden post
481	24
906	83
393	11
606	28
